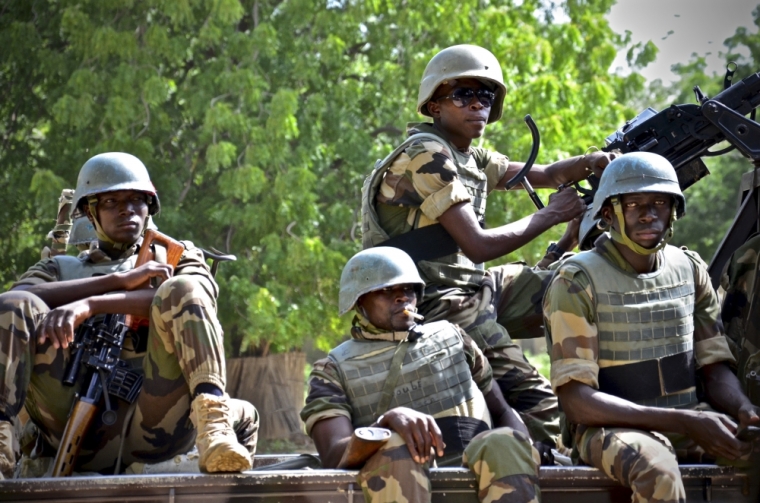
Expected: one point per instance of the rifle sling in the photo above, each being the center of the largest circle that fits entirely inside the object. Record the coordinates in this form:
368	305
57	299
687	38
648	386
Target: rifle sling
389	387
649	378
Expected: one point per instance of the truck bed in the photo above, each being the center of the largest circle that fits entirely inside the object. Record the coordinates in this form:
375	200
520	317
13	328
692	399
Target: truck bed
558	484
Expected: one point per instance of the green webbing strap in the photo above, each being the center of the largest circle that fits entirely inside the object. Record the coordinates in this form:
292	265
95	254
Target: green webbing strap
393	374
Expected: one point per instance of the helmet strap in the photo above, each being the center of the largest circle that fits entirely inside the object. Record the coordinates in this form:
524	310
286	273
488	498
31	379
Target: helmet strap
622	237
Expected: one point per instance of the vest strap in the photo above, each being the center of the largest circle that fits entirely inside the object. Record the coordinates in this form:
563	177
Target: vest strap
649	379
393	374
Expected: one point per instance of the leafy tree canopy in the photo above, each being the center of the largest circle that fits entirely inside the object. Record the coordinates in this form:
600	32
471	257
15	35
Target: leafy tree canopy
258	120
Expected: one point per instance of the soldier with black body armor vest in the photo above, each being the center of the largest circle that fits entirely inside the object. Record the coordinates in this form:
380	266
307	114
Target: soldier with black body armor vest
633	327
428	197
429	384
180	356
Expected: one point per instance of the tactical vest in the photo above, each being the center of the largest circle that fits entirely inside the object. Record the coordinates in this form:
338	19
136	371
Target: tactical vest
645	320
434	377
455	266
76	268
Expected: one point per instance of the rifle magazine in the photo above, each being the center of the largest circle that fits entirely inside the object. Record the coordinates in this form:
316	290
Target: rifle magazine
125	383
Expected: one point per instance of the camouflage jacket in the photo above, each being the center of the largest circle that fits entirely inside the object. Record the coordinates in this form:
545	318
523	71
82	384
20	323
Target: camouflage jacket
571	331
423	183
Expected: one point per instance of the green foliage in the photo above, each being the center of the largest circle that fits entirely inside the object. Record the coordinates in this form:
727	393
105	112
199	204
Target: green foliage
258	120
541	362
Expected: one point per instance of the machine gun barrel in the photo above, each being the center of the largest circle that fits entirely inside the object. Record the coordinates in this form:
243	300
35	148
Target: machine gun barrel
684	133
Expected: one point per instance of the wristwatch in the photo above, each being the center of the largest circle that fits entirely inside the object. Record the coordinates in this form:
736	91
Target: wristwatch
556	250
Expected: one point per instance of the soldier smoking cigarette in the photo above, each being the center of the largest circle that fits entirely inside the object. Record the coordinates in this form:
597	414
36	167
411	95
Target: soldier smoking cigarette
416	316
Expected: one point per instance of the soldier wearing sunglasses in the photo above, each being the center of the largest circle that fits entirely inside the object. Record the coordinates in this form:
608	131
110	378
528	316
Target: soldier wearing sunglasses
428	197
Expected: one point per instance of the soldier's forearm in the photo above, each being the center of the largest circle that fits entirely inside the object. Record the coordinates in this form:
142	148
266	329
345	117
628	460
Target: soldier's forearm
722	389
331	437
59	293
501	413
136	302
481	245
585	405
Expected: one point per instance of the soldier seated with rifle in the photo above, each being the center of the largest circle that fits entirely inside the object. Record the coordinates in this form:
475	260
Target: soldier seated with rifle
428	384
636	342
178	356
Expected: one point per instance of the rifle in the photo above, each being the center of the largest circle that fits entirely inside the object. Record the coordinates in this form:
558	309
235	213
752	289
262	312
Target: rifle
97	346
363	444
684	133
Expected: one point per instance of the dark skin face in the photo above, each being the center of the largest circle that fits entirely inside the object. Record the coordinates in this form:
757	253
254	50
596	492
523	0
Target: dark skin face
121	214
459	125
647	217
384	308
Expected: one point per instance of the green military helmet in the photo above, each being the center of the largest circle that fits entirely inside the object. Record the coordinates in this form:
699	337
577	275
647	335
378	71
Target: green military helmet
373	269
82	230
639	172
110	172
461	62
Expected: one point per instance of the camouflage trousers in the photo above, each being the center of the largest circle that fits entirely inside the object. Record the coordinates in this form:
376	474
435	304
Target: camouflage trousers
508	304
647	462
184	349
503	460
642	460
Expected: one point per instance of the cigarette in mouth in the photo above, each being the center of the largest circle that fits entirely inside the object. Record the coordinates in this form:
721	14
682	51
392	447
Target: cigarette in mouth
416	316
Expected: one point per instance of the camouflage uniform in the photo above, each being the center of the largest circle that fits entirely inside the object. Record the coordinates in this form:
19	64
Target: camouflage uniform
184	349
503	460
493	305
645	461
740	315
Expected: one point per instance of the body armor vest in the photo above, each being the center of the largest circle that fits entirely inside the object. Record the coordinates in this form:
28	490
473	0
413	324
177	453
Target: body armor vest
455	267
76	268
645	320
434	377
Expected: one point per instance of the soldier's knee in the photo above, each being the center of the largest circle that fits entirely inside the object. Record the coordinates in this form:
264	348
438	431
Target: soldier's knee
182	289
503	447
23	300
24	305
176	287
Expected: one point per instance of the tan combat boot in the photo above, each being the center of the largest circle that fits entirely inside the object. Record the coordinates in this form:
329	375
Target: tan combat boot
8	450
217	443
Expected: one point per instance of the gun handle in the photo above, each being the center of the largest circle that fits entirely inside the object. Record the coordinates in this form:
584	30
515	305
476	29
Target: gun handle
174	251
364	443
76	428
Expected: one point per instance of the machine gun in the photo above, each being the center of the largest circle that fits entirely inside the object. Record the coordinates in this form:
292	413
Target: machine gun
683	134
97	347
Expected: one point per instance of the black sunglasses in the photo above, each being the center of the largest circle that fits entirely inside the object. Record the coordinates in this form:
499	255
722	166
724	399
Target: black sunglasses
463	96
